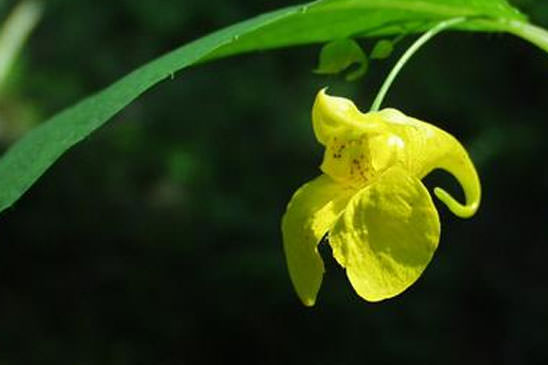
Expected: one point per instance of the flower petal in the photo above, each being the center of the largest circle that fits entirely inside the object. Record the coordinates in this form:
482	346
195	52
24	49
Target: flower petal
311	212
357	146
336	117
427	148
387	235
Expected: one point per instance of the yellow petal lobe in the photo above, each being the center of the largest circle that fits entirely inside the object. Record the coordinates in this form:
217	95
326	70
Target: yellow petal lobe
334	117
387	235
311	212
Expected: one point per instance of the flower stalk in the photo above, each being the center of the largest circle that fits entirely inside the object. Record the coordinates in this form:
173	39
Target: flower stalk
407	55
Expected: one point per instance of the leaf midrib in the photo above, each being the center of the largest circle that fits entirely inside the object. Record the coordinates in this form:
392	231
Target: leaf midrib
420	7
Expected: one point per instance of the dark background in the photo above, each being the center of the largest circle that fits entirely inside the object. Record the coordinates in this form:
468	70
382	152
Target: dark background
157	240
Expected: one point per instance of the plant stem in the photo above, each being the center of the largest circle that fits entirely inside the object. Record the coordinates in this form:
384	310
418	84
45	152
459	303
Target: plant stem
536	35
407	55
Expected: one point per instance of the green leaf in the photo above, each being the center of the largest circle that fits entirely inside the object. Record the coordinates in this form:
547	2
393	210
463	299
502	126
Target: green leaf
316	22
338	55
382	49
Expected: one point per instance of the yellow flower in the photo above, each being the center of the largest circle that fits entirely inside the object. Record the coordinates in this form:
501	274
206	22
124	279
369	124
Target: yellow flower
382	225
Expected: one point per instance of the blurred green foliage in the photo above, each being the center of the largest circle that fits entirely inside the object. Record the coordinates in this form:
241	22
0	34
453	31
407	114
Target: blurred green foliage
338	55
157	239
